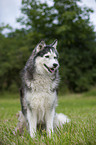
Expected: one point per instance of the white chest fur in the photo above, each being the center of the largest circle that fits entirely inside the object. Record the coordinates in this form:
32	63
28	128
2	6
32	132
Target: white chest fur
41	98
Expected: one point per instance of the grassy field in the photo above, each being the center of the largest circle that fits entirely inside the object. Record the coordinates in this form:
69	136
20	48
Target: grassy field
81	130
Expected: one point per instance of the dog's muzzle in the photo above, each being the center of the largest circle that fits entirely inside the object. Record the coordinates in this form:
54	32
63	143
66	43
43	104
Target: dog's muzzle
51	70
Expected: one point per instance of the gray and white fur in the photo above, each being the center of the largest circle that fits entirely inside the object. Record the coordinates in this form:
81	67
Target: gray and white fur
38	94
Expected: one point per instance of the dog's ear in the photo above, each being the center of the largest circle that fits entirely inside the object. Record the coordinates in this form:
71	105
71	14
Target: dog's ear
54	44
40	46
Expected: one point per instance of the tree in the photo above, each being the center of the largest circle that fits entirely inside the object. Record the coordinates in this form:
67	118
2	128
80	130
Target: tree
13	55
66	21
70	24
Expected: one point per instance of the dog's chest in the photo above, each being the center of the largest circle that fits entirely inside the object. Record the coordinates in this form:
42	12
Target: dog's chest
41	96
41	83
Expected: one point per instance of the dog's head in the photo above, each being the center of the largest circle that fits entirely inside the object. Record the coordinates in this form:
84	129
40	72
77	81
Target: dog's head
46	58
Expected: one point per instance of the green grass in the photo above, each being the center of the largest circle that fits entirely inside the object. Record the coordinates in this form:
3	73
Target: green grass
80	131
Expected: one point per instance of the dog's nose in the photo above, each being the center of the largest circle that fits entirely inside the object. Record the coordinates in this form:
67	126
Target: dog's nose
55	65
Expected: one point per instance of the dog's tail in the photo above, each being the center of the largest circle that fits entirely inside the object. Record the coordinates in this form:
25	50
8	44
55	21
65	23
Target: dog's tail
60	120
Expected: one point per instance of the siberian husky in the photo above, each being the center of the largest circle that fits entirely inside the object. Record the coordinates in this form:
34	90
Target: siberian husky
38	94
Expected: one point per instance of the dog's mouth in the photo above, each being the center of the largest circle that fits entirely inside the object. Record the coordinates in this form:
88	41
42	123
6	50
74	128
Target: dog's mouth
51	70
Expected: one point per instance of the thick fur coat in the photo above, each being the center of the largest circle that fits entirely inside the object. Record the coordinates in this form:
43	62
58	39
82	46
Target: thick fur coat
38	94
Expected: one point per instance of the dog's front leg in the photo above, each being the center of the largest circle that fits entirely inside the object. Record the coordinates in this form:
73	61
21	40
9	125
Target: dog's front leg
32	120
49	121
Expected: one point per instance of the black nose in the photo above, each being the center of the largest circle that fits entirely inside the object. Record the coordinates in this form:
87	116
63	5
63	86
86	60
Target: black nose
55	65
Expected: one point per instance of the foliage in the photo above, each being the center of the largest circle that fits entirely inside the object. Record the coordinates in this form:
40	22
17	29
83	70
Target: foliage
65	21
80	130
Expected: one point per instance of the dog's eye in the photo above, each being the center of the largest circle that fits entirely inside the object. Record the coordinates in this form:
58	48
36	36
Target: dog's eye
55	57
47	56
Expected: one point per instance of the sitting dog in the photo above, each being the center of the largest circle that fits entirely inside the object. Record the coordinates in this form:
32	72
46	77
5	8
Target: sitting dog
38	94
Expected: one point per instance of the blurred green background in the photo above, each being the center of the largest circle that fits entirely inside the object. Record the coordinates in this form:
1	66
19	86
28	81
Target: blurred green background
65	21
